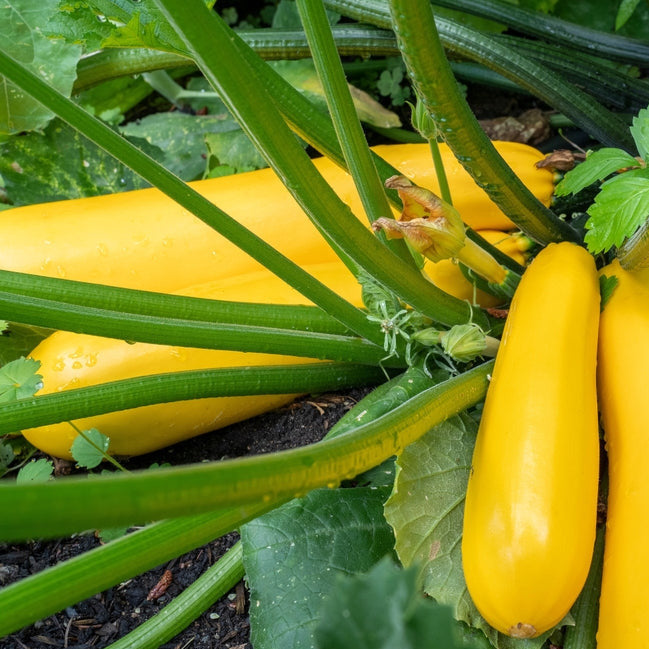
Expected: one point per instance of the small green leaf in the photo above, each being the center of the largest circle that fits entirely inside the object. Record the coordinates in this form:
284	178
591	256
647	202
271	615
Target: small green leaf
19	340
6	456
598	165
232	149
606	287
384	608
90	449
640	133
19	380
293	555
35	471
619	209
111	533
624	12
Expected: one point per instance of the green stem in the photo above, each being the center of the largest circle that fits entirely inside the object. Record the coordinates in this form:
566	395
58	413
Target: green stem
72	504
478	46
528	21
68	582
633	254
150	303
435	83
349	132
186	333
220	60
181	386
186	607
444	189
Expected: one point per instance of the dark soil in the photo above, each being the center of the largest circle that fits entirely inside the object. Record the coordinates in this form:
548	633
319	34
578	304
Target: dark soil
109	615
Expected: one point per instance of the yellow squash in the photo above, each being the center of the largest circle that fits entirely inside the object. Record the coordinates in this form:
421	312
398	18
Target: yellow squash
70	360
529	522
142	239
622	384
446	274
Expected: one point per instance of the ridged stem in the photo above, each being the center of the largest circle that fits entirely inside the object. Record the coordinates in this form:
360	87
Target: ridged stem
68	582
181	386
72	504
432	76
186	607
527	21
220	61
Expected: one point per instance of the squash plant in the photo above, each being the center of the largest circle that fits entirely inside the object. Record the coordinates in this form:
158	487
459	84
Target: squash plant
423	414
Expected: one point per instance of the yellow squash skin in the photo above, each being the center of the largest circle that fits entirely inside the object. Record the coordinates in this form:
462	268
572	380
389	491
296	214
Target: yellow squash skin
622	383
70	360
447	275
142	239
530	513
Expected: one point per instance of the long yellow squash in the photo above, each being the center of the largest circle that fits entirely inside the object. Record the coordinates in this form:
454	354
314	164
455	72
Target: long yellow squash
622	377
142	239
70	360
529	522
446	274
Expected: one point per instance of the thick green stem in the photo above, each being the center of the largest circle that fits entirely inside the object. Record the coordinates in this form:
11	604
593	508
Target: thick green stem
72	504
186	607
181	386
418	37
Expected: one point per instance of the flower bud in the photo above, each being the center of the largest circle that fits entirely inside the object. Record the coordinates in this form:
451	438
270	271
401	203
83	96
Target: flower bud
464	342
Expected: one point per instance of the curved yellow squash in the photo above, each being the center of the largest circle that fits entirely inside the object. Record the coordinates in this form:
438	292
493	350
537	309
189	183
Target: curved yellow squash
622	377
529	522
446	274
70	360
143	239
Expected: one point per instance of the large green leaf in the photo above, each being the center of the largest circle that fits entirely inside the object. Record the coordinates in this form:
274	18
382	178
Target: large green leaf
383	609
21	34
59	164
182	139
293	556
426	511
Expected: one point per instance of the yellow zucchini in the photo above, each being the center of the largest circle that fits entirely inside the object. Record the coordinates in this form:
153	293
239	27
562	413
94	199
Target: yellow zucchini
622	383
142	239
530	512
446	274
70	360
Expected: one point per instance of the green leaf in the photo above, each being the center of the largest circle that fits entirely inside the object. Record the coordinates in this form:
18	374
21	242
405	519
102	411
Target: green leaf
293	555
640	133
90	449
19	380
232	149
383	609
142	24
6	456
55	60
60	164
77	23
624	12
426	511
35	471
606	287
18	340
181	139
302	75
621	206
598	165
